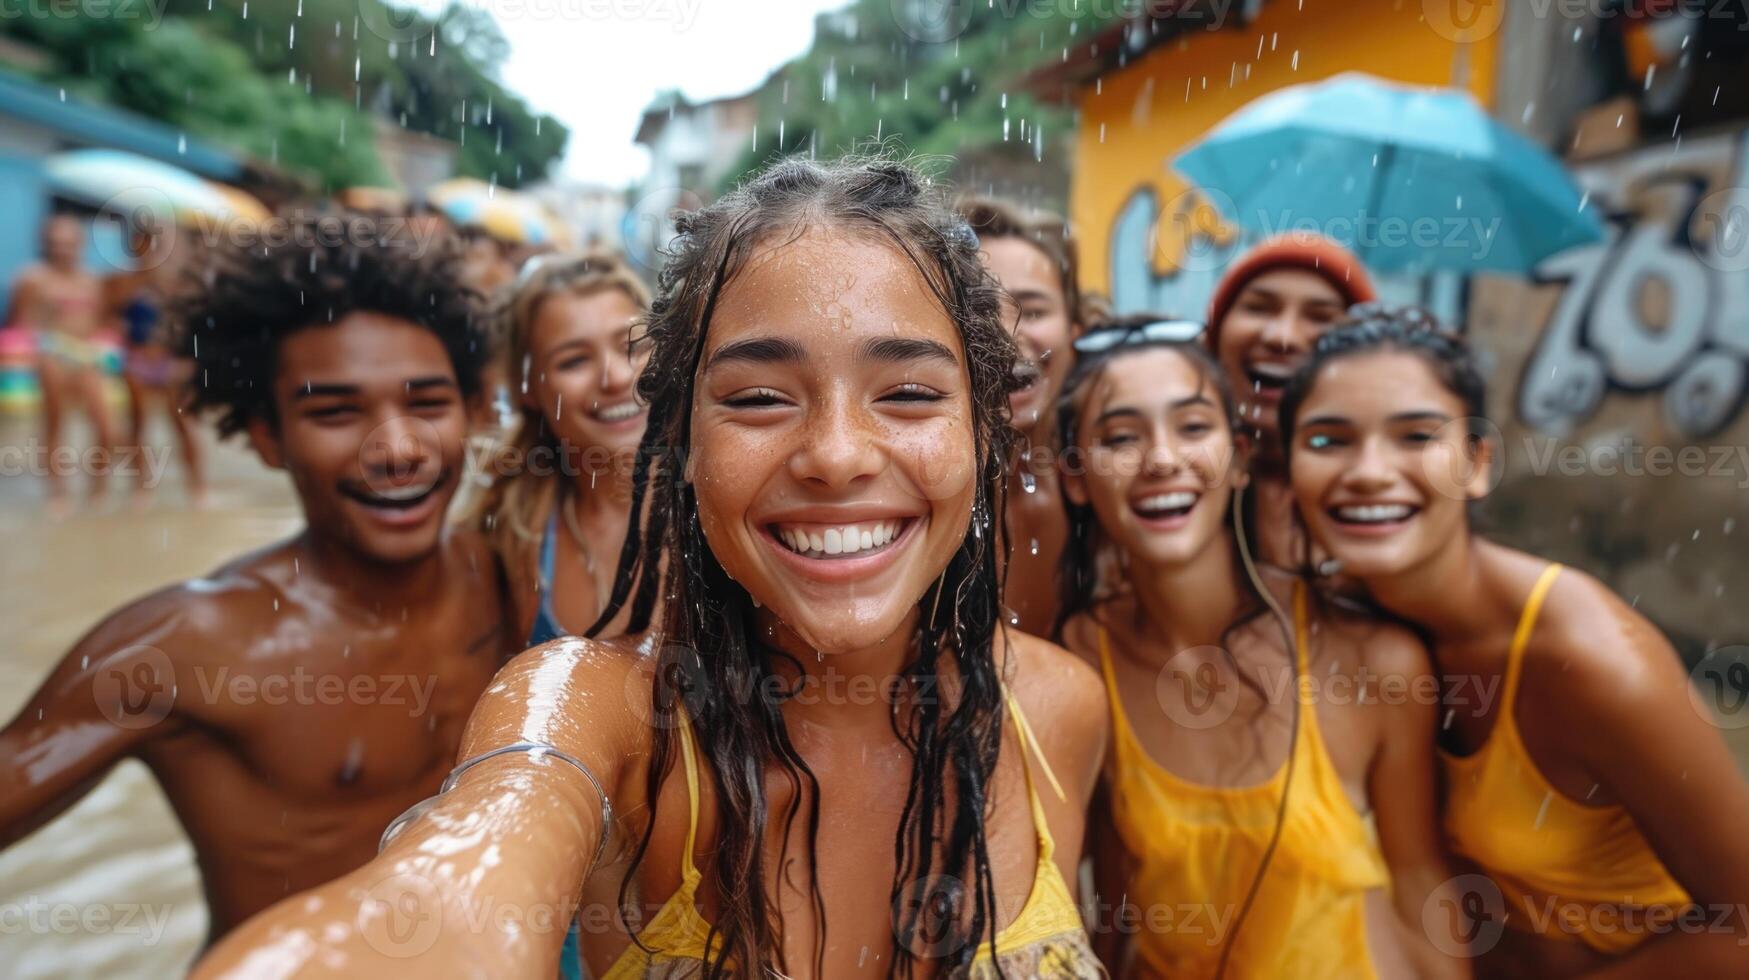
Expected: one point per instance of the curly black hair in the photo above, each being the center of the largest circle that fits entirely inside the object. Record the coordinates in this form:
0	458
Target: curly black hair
232	316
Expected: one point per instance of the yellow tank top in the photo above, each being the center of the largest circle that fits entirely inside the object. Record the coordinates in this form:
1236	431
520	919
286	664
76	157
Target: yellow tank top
1046	939
1195	850
1557	861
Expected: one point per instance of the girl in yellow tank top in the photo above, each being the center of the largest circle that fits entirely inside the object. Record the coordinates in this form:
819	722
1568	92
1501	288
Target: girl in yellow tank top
1584	784
1218	876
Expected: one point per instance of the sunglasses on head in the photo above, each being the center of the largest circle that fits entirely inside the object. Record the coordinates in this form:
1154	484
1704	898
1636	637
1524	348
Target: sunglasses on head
1101	339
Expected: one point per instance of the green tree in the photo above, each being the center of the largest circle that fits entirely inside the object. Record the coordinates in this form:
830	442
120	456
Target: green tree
298	83
865	78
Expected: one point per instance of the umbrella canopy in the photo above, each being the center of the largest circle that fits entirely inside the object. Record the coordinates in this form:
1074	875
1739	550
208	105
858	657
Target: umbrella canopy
144	189
1410	179
506	215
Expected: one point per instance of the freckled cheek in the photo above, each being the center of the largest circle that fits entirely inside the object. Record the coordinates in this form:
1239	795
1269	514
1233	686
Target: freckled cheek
936	462
727	470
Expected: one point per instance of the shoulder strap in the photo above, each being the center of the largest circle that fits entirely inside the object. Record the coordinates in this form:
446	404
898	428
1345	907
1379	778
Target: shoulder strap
1029	747
688	870
1521	638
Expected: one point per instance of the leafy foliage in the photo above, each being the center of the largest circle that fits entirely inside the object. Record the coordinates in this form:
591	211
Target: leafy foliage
866	78
298	82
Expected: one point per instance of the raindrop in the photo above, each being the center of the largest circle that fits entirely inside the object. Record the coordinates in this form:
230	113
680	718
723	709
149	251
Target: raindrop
1028	482
1035	546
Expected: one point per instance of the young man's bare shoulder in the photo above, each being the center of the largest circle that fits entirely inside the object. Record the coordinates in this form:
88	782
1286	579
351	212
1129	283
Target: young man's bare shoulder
203	619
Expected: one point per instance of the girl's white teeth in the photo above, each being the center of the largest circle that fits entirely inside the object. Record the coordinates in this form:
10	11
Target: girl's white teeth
1374	513
1178	500
847	539
403	493
617	413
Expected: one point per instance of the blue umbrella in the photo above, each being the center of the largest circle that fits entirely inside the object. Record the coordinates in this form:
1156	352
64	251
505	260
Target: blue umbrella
1410	179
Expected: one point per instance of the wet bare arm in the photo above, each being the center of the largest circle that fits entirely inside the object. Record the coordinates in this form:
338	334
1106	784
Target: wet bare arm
111	694
483	883
1401	784
1645	742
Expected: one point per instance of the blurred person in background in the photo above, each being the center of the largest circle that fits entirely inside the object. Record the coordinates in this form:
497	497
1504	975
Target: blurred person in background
1032	257
156	376
560	498
62	303
292	702
1267	311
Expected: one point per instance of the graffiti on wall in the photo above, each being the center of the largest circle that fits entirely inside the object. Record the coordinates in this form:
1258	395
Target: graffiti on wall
1661	307
1167	257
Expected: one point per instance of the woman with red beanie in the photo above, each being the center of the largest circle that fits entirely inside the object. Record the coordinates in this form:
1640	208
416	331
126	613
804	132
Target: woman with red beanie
1274	302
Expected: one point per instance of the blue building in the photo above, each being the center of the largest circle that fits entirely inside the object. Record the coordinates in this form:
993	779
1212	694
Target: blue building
37	122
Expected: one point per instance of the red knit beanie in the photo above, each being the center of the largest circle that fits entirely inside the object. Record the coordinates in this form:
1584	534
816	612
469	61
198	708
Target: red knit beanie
1294	250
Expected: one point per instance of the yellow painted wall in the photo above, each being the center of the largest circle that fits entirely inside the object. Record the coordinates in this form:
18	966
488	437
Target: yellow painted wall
1138	118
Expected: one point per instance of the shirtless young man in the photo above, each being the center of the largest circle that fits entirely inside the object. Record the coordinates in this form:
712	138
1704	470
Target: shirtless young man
63	302
294	701
1033	259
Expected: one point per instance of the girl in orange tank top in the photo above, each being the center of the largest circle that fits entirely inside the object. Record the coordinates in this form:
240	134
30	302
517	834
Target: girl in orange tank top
1591	794
1249	837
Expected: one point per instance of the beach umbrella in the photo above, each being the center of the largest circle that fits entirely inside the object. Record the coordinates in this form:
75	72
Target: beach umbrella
506	215
144	189
1413	179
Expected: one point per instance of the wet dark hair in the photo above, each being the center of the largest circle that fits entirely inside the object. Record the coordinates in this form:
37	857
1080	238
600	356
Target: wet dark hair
992	218
1372	328
711	665
237	308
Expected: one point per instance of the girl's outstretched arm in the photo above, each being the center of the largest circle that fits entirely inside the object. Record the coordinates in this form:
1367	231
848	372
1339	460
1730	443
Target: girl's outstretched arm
483	883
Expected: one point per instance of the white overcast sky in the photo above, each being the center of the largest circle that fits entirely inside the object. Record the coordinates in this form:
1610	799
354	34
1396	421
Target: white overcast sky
595	64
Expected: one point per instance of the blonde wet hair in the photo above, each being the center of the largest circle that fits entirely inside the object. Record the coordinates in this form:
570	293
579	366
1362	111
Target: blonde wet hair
512	512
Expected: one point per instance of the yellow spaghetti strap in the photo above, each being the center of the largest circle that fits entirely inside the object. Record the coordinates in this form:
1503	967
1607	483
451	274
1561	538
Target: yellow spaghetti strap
1029	743
1302	643
1526	625
687	869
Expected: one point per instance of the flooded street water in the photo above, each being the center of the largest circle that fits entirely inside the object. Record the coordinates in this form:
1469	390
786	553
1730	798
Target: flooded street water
109	889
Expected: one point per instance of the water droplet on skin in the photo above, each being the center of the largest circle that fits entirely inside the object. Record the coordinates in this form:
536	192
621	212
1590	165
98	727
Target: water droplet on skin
1028	482
1035	546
